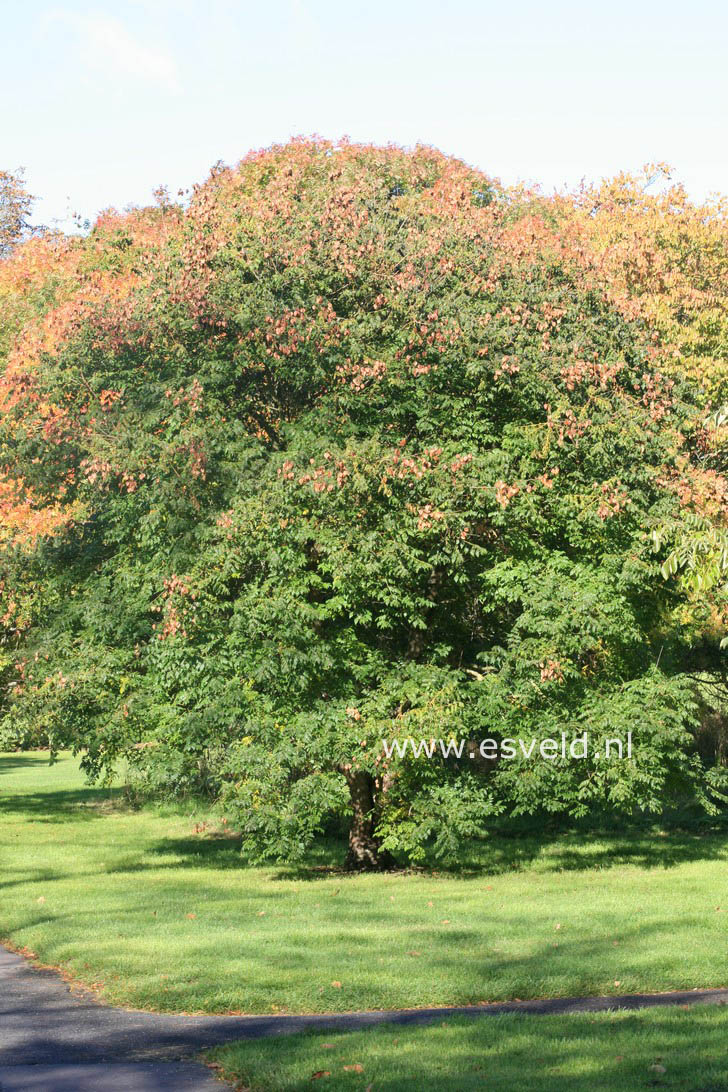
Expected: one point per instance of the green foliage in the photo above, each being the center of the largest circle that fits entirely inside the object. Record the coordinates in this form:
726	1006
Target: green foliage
352	449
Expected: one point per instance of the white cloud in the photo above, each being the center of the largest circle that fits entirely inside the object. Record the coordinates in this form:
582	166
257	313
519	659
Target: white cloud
107	45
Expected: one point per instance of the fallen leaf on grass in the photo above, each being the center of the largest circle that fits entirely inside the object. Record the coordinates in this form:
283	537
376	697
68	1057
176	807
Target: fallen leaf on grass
354	1068
320	1073
336	985
414	953
190	916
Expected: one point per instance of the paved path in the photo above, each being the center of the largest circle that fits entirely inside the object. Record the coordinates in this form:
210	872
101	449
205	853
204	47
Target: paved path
54	1039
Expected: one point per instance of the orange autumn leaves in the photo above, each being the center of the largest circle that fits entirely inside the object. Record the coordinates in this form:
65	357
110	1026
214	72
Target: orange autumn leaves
657	256
23	519
664	260
52	288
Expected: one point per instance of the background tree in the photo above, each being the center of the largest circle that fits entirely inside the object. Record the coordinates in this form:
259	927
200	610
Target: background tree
664	259
15	205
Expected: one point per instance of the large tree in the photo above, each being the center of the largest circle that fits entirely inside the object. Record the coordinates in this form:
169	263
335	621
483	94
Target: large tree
357	446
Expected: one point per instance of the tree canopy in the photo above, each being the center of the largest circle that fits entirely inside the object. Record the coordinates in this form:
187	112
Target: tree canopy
356	445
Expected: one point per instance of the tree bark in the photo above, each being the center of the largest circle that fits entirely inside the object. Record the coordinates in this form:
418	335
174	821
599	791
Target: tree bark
365	852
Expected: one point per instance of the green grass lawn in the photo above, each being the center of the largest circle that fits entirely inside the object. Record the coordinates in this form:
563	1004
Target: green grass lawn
162	916
608	1052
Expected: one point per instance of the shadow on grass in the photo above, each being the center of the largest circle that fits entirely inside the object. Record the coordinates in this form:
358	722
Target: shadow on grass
554	1054
51	805
528	850
223	852
24	760
593	851
32	875
459	965
548	854
62	804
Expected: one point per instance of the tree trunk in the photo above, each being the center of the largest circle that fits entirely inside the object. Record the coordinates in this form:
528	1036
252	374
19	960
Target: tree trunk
365	853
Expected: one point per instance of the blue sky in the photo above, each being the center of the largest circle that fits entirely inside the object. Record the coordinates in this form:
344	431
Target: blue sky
103	102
